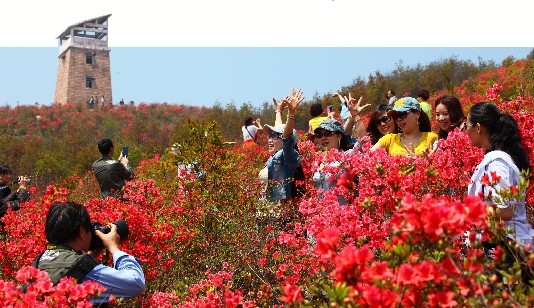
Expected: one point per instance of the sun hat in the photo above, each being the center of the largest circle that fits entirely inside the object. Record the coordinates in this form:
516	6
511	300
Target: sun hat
277	129
330	125
404	104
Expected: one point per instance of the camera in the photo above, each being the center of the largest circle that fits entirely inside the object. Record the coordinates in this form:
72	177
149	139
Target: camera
96	242
16	181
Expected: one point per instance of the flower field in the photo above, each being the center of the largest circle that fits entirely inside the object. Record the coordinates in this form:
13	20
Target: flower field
207	238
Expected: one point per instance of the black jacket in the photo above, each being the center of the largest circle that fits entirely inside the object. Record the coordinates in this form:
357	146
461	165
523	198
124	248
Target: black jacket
11	200
111	176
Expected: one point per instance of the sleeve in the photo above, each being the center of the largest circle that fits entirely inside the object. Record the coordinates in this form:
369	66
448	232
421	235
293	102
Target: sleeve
125	280
254	132
125	172
291	156
23	195
385	141
3	208
506	180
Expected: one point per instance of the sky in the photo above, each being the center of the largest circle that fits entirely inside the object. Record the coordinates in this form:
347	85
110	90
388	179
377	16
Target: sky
243	51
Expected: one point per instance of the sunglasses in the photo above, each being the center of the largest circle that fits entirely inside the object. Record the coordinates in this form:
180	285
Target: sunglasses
325	134
400	115
464	126
383	120
274	136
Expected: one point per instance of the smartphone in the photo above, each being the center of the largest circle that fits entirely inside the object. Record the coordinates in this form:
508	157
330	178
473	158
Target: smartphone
329	108
125	151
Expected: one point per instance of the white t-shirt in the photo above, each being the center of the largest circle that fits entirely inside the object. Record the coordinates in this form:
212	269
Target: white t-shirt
252	129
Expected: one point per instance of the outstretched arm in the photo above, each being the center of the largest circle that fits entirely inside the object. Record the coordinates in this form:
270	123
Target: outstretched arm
340	97
292	102
376	147
279	108
355	109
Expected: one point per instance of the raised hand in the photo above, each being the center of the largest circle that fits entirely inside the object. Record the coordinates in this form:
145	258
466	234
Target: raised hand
355	107
22	182
427	152
410	151
294	100
279	105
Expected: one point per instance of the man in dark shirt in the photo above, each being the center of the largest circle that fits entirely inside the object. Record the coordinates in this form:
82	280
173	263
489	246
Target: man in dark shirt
111	174
8	199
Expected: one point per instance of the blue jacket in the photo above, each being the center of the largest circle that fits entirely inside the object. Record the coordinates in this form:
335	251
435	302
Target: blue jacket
281	168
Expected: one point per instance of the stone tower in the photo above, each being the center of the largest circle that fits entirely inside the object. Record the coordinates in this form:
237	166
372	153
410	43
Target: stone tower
84	66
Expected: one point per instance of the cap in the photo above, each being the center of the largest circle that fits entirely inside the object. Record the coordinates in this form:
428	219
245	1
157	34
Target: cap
330	125
404	104
277	129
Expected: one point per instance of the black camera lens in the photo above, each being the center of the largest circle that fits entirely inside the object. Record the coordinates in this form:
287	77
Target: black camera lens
122	230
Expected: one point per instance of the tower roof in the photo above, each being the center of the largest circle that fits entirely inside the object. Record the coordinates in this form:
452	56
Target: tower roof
94	25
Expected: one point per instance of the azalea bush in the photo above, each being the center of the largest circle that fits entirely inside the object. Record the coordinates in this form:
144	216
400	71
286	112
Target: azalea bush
41	293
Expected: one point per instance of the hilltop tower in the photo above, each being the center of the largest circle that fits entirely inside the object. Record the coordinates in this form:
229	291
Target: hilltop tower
83	62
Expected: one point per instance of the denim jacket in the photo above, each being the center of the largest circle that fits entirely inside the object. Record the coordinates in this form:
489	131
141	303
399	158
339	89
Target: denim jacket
281	168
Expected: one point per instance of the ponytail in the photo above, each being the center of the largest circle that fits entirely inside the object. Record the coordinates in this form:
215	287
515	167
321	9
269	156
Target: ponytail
503	130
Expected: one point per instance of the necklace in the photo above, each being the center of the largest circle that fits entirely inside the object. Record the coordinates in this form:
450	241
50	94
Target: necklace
413	142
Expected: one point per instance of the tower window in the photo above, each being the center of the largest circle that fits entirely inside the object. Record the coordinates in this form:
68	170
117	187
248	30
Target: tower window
89	82
89	59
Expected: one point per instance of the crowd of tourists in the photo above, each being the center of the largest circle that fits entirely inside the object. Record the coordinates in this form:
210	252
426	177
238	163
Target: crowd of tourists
400	127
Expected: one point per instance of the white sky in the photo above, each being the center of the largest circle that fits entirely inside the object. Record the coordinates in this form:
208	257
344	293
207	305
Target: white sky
277	23
203	74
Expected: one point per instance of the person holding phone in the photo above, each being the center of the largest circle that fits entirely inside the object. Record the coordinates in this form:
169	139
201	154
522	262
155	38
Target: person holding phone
112	174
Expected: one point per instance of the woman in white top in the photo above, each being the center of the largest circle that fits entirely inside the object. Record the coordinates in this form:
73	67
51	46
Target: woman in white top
498	134
250	130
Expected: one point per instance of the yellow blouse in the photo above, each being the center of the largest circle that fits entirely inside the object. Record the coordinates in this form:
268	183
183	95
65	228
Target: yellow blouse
393	144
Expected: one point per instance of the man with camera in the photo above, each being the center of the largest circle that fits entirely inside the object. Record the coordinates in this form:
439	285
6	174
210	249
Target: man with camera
9	200
111	174
70	235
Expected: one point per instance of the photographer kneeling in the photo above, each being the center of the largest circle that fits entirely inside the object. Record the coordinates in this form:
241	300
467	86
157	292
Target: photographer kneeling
9	200
69	232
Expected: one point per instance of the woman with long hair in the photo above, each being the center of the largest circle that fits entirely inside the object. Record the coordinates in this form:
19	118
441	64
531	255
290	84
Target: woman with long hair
449	115
380	124
498	134
415	138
